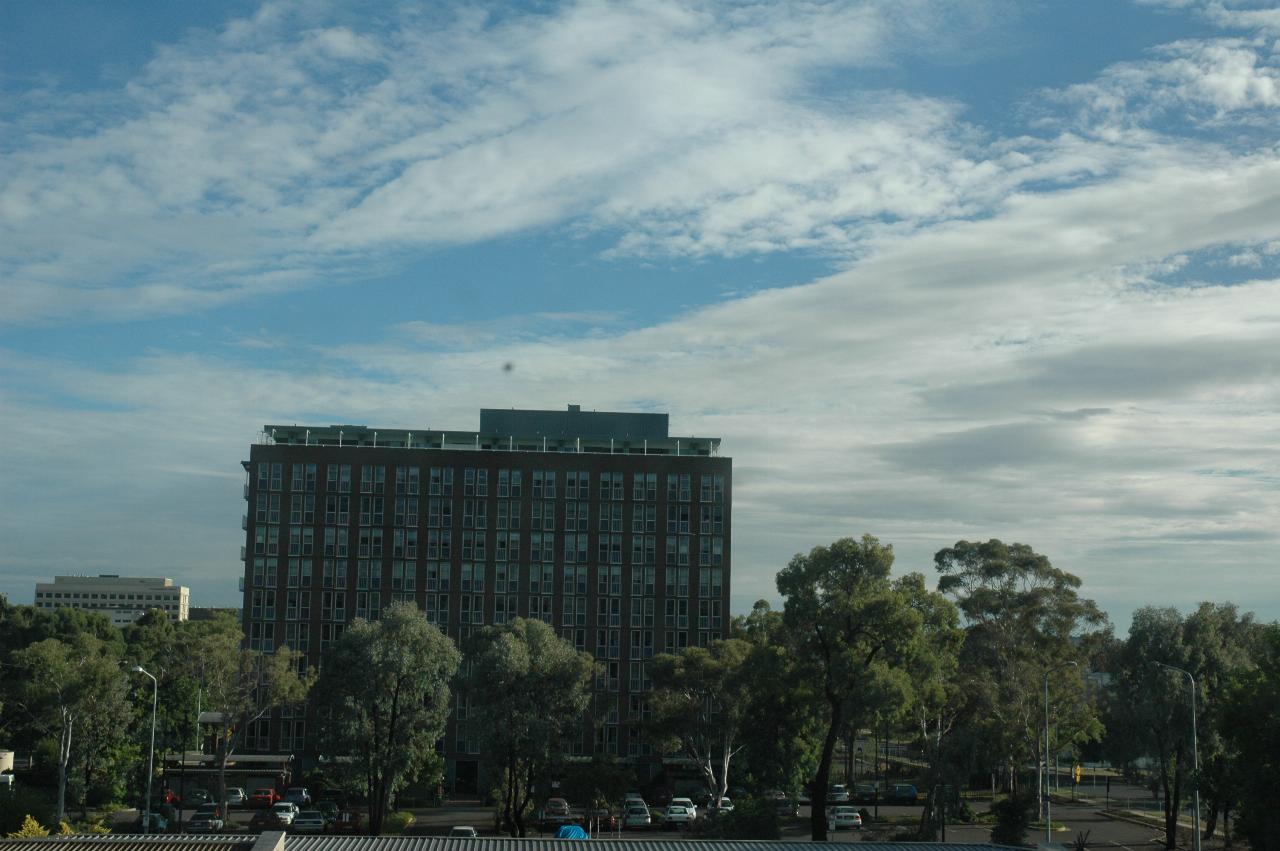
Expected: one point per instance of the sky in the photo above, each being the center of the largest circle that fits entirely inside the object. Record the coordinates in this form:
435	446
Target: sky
932	270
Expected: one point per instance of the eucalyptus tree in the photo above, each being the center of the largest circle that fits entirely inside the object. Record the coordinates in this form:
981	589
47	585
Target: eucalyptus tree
1025	621
851	625
382	701
526	690
699	706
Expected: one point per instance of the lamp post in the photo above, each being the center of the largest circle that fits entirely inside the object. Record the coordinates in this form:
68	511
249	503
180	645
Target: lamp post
151	758
1048	800
1195	754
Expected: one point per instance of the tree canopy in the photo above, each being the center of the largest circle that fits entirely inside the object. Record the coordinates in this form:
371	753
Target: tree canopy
382	701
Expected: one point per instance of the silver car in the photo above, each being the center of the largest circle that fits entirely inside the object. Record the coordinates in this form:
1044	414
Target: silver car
309	821
285	812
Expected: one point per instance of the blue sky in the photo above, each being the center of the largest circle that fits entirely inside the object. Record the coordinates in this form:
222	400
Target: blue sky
933	270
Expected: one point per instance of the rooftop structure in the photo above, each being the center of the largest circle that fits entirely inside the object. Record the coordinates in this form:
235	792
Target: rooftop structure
502	429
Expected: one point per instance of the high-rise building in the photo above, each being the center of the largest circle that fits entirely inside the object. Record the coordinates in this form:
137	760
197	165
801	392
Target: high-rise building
124	599
600	524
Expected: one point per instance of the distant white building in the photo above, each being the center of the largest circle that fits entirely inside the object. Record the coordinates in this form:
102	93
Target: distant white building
124	599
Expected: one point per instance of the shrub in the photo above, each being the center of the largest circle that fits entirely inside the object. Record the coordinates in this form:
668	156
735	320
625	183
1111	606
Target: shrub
395	823
1013	819
751	818
29	830
963	813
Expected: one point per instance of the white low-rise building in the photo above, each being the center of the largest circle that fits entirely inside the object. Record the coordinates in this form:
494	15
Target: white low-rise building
124	599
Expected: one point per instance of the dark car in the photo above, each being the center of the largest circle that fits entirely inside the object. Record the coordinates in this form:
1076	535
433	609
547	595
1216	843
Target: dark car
265	820
348	821
197	797
902	793
208	819
329	810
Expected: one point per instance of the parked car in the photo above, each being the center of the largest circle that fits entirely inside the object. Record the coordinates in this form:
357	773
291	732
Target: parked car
463	831
264	798
265	820
723	805
636	818
236	796
688	804
309	821
865	793
297	795
605	820
843	817
197	797
838	794
902	793
286	811
677	816
556	812
348	821
207	819
783	806
329	810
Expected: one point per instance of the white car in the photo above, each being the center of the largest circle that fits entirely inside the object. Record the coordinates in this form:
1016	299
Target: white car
236	796
688	804
838	794
309	821
678	816
843	818
285	811
724	805
636	818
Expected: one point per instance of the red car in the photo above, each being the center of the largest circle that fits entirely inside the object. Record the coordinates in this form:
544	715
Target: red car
266	797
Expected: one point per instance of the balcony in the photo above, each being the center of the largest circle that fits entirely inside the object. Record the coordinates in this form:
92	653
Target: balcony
242	553
244	521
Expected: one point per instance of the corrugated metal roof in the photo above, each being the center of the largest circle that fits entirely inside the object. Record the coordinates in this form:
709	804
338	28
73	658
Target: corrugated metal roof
171	842
490	843
131	842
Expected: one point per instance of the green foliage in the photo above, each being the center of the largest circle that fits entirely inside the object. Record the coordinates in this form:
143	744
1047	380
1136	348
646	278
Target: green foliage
30	829
397	822
1023	617
383	700
600	783
527	690
752	818
21	803
849	627
1251	726
783	704
1013	819
699	706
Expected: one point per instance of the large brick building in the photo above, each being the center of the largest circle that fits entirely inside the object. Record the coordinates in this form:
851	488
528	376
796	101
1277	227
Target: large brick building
601	524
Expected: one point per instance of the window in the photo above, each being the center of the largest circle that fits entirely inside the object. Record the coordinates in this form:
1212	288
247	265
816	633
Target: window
407	481
440	482
277	473
406	511
373	478
609	611
437	578
677	584
677	614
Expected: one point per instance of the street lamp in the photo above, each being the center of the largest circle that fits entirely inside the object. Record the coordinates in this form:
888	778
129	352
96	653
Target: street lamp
1048	798
1195	753
151	759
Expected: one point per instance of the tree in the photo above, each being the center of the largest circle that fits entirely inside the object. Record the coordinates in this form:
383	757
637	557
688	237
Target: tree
526	690
66	683
938	693
243	686
1149	712
699	706
382	701
597	784
783	703
1250	724
849	623
1024	618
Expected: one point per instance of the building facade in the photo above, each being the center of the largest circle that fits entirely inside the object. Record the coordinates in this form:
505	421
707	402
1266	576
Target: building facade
124	599
600	524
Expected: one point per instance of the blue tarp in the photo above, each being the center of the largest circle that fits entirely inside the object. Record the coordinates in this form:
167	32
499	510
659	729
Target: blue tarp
571	831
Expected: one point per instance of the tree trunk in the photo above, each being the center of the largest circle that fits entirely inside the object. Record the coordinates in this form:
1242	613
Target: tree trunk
818	816
64	759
